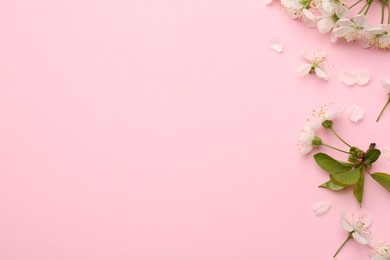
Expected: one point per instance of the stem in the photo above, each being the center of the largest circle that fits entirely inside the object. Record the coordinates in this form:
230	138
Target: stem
383	11
368	8
388	13
364	7
383	109
334	148
341	139
355	4
343	244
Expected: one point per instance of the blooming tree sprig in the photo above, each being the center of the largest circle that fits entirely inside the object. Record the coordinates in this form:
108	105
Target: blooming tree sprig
342	20
357	228
342	175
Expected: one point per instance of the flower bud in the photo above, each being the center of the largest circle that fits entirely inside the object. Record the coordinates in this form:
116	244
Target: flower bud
316	141
327	124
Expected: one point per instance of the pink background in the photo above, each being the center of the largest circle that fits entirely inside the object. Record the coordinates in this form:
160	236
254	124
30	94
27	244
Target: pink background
166	130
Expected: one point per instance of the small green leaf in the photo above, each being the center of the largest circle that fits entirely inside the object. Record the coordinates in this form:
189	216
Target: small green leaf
373	155
331	165
331	186
347	178
383	179
359	188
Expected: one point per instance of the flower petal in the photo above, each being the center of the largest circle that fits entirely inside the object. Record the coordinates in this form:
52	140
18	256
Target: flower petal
341	11
346	221
355	113
304	69
276	44
334	112
321	73
385	83
360	238
366	219
348	78
362	76
386	153
344	23
267	2
321	208
360	20
308	18
325	24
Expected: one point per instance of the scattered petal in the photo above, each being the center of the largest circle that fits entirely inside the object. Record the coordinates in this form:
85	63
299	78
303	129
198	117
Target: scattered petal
355	113
362	76
276	44
321	208
385	83
348	78
267	2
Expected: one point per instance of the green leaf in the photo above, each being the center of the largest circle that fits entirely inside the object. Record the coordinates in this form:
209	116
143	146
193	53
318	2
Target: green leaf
336	182
347	178
373	155
331	165
383	179
331	186
359	188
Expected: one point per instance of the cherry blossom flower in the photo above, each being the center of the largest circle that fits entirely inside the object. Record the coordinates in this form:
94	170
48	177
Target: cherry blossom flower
381	251
300	10
353	29
316	60
386	84
305	140
358	226
326	113
378	36
331	11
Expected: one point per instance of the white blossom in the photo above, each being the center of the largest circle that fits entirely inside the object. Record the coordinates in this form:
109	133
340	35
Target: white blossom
352	29
316	60
358	226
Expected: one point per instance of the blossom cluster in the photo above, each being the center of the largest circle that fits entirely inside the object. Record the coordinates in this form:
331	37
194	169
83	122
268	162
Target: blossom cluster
335	17
308	139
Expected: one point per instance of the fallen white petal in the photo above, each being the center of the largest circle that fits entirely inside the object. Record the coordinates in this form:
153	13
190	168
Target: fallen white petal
348	78
386	153
385	83
355	113
276	44
321	208
267	2
362	76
